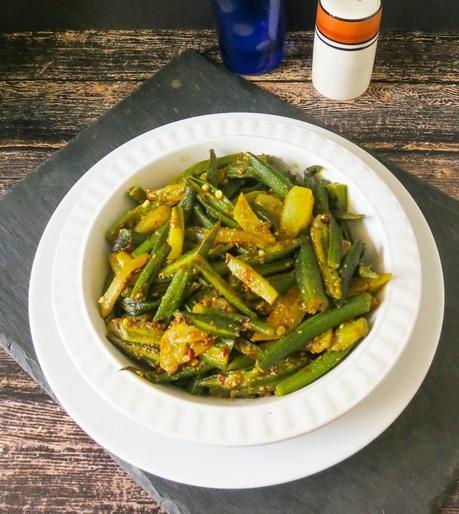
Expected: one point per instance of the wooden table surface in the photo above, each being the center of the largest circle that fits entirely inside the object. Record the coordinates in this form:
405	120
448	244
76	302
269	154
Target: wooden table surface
53	84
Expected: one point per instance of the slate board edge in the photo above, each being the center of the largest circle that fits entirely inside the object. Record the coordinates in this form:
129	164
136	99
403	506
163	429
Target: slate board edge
34	370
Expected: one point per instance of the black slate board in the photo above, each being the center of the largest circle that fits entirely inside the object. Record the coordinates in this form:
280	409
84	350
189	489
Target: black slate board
407	469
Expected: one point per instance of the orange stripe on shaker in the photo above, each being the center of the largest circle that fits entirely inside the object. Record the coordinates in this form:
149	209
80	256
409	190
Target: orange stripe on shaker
351	32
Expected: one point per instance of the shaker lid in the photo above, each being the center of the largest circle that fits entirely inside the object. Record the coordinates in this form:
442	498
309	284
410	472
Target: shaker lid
351	9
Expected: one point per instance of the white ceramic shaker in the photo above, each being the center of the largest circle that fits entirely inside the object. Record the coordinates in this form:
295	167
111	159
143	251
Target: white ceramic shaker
345	42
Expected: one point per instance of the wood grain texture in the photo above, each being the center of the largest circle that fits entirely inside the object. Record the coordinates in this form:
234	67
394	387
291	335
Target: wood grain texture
440	169
136	55
401	116
52	84
42	451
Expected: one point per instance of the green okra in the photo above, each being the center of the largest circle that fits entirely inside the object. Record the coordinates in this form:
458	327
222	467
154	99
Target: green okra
161	377
274	252
319	233
350	264
314	326
282	282
208	242
218	354
187	258
309	279
135	331
321	203
264	215
212	196
254	391
338	195
212	170
214	323
248	348
254	376
216	213
347	216
138	307
335	245
268	175
200	167
232	188
128	220
174	295
137	193
220	249
317	368
274	267
221	286
202	217
138	352
243	322
187	203
365	271
158	238
150	271
184	260
240	361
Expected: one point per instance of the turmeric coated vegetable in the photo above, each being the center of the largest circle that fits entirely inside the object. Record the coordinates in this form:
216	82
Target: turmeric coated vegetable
235	281
176	233
153	219
249	221
297	212
253	280
124	268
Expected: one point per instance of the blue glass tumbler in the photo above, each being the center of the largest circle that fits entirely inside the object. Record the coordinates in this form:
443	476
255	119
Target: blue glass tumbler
251	34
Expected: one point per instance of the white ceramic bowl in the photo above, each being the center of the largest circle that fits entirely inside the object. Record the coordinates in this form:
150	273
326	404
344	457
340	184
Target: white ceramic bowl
152	160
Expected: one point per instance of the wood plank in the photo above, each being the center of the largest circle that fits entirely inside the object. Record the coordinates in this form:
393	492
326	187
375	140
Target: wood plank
414	117
405	116
136	55
16	163
40	444
440	169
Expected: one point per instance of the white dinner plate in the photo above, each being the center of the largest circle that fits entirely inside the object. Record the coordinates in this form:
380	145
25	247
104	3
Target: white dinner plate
153	159
199	464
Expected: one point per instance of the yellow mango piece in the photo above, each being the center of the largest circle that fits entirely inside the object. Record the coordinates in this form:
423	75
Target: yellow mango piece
270	203
297	212
244	214
240	237
153	219
125	268
176	233
368	285
170	194
248	220
118	260
349	333
321	343
253	280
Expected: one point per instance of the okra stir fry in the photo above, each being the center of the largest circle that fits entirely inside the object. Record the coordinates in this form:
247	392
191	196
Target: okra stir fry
238	280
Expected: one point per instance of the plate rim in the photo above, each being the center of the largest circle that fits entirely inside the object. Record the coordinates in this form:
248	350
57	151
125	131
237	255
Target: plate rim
44	361
265	421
